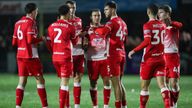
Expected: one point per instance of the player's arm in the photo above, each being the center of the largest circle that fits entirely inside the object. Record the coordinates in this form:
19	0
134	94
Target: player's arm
125	33
176	24
48	40
85	40
32	36
74	38
14	39
105	30
145	43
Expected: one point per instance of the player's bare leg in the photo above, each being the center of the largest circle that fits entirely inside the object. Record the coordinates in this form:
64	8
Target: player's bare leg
64	88
77	89
41	90
93	93
144	94
117	90
164	91
106	91
124	100
20	90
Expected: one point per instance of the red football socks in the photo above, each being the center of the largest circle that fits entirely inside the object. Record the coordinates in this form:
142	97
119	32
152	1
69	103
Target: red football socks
19	96
93	93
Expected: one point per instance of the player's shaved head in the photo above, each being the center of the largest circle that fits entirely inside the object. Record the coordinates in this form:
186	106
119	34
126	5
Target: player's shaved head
30	7
153	9
111	4
166	8
63	10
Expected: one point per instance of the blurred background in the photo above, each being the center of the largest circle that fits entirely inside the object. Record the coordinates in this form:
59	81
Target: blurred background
133	13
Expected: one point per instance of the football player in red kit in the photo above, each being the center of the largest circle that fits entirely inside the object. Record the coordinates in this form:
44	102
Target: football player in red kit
116	29
153	63
96	55
171	52
78	54
26	40
61	36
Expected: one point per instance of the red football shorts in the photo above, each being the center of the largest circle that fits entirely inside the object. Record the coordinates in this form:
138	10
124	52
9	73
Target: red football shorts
152	67
63	68
97	67
172	65
29	67
116	65
78	64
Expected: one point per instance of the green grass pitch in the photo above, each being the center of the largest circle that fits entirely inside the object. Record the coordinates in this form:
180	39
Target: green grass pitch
8	83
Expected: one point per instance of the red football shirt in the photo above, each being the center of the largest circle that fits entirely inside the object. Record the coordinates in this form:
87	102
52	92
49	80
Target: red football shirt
77	22
118	31
171	40
156	31
61	36
97	44
25	38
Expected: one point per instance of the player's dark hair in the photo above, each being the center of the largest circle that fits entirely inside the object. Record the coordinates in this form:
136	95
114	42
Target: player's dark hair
63	10
30	7
94	10
153	8
166	8
111	4
70	2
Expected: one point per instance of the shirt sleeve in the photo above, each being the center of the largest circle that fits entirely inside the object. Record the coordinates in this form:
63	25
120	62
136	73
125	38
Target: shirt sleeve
146	31
143	44
176	24
32	35
103	30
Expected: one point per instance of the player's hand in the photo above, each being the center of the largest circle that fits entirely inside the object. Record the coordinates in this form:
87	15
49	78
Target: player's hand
82	33
130	54
85	41
43	38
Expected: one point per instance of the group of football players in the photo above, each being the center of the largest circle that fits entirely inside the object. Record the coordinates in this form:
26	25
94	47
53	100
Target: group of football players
101	47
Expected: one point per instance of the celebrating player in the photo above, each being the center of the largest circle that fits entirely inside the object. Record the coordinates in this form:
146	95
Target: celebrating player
153	63
61	35
26	40
117	30
171	52
96	56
